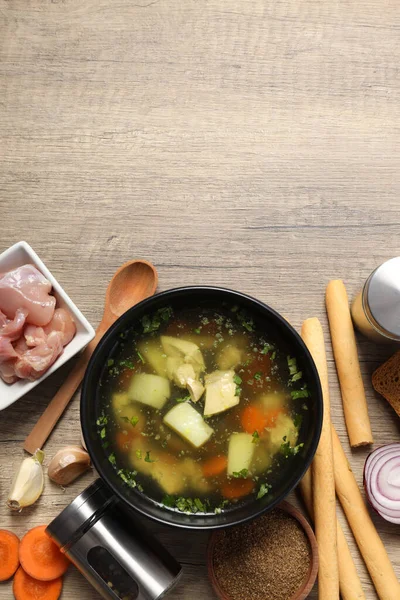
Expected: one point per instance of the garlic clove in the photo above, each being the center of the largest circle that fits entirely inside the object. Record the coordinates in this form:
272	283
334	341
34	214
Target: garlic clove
28	482
68	464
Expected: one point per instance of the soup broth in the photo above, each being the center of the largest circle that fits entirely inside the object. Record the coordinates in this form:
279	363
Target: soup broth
200	411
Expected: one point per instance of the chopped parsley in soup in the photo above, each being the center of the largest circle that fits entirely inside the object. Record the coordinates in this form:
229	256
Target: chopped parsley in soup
199	409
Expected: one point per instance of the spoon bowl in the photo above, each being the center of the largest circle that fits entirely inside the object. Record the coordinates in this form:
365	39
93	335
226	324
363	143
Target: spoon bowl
133	282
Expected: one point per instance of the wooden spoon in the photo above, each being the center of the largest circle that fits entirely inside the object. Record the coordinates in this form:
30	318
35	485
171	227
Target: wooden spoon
133	282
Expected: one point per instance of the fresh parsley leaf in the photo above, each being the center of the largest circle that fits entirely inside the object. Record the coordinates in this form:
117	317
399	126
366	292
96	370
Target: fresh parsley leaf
184	399
148	459
102	420
297	420
296	394
288	450
103	433
129	478
292	364
245	320
197	330
181	504
138	453
241	474
266	348
257	376
273	355
126	363
110	362
168	501
199	505
133	420
297	376
140	356
112	458
256	437
238	391
237	379
221	507
264	489
153	323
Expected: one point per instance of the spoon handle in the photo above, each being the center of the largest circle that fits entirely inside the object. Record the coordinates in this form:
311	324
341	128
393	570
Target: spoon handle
58	404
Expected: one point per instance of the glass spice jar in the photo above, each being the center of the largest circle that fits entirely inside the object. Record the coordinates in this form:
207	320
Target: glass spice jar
376	308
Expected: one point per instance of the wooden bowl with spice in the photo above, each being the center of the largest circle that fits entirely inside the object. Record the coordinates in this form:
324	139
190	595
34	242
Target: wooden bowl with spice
274	557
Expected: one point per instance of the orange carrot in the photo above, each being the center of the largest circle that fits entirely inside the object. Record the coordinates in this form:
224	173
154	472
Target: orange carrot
253	419
214	466
40	557
124	439
26	587
9	560
237	488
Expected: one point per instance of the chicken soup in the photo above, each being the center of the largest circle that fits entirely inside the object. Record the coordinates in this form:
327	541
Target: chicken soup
200	410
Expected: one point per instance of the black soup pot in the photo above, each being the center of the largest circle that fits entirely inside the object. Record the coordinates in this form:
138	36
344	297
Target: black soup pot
266	320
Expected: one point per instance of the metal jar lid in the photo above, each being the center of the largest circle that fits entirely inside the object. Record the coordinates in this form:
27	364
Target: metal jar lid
81	514
381	298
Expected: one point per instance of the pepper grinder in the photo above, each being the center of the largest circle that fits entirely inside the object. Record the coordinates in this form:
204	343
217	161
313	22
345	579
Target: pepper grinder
108	545
376	308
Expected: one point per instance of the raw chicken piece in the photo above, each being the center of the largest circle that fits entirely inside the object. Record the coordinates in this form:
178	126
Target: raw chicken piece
12	329
63	322
7	372
3	319
35	361
21	346
26	287
34	335
6	350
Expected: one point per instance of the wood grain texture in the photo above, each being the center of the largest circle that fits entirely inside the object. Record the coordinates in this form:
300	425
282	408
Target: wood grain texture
253	145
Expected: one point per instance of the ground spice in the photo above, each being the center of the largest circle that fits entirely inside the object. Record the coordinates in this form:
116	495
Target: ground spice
267	559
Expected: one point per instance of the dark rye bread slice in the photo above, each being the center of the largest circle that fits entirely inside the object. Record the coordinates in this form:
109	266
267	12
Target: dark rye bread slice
386	381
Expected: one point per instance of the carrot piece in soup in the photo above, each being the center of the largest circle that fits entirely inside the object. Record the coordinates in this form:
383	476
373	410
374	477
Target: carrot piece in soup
253	419
9	561
237	488
214	466
124	439
40	557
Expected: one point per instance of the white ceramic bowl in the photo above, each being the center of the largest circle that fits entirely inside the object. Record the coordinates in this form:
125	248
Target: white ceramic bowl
22	254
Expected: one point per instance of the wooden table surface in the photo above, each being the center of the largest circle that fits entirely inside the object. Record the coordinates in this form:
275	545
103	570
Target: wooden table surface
253	145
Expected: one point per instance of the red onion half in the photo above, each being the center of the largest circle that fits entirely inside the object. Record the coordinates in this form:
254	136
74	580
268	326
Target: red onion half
382	481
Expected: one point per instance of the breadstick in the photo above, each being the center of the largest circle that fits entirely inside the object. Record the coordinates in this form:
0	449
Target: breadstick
324	499
349	581
370	544
347	365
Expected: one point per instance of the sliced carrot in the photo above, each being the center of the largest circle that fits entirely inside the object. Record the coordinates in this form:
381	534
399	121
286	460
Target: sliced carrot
9	561
237	488
124	439
253	419
40	557
26	587
214	466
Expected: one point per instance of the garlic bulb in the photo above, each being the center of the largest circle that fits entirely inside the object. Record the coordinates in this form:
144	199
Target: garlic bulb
28	482
68	464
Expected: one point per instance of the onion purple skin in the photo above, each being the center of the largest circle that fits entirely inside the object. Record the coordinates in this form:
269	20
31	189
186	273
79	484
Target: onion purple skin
375	496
